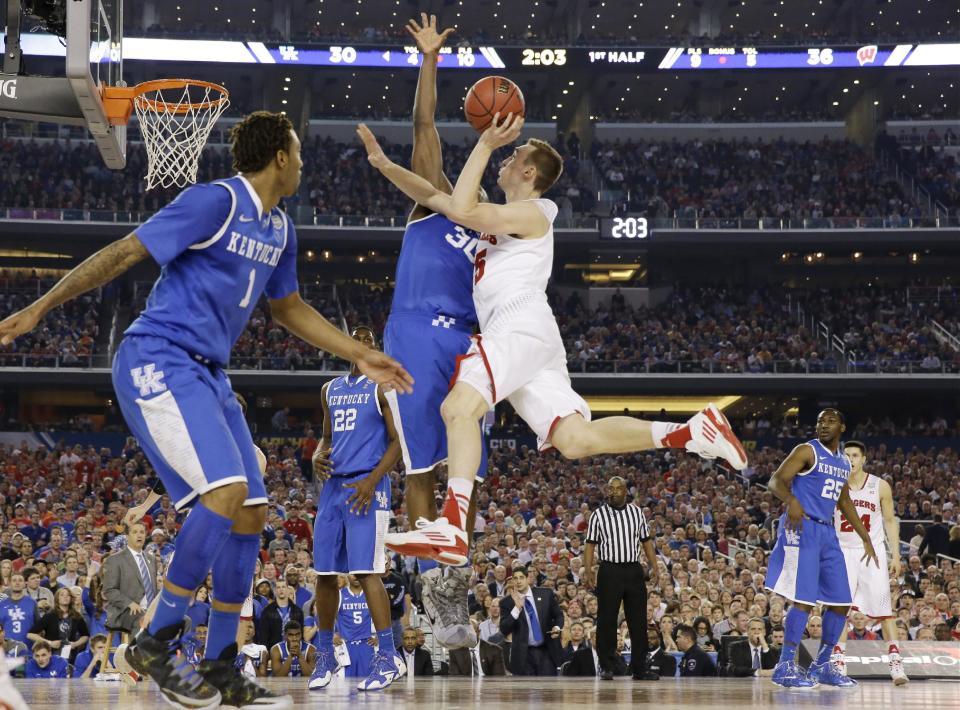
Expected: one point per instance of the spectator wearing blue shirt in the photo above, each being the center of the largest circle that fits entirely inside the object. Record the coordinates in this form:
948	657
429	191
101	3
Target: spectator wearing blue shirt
87	664
18	612
44	664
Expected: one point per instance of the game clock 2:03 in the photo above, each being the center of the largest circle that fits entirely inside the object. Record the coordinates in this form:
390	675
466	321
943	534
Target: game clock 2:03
544	57
624	228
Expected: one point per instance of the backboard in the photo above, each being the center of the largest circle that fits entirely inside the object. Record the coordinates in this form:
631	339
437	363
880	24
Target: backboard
93	57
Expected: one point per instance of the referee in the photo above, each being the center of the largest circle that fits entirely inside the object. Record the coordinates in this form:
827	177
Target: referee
619	529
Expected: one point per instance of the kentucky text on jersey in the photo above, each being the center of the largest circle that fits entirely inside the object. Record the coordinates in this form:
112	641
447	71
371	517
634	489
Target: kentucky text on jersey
838	471
254	249
338	399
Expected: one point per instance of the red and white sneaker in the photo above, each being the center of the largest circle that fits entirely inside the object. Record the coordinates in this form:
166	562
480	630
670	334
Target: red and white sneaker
432	540
897	674
712	437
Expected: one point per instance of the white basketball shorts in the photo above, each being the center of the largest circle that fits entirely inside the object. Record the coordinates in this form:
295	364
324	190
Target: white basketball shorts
869	584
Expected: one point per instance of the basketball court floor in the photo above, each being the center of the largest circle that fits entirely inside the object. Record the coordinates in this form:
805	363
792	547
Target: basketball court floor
527	693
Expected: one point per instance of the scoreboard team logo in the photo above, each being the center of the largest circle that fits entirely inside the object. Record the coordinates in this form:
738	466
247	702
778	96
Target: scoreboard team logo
867	54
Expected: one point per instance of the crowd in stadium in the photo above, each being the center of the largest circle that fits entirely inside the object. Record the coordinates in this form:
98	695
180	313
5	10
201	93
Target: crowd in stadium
60	510
828	182
69	335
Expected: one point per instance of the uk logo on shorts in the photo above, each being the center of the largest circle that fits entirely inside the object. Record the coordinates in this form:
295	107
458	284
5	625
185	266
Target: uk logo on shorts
381	497
792	536
148	379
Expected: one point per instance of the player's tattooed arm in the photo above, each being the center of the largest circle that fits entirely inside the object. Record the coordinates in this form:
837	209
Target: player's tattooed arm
99	269
781	483
427	160
849	510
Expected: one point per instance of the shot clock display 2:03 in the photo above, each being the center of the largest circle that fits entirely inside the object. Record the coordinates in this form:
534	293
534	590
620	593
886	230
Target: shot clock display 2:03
630	228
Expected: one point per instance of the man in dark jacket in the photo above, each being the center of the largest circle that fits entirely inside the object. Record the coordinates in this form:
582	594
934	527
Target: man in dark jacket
418	660
533	616
695	661
482	660
277	614
658	660
752	656
936	539
586	663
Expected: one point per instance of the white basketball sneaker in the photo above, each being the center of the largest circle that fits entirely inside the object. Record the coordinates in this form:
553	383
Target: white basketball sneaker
432	540
712	437
896	670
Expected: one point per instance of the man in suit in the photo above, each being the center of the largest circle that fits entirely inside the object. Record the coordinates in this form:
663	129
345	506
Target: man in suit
585	662
418	660
481	660
533	616
129	581
498	585
752	656
658	660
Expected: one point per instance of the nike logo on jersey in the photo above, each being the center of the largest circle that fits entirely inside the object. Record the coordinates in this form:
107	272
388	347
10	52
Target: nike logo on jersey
244	218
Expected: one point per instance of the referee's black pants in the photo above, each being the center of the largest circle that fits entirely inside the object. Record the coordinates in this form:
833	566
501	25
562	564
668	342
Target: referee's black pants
616	583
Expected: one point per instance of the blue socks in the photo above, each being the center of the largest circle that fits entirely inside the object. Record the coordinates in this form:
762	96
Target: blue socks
233	572
200	540
832	628
385	641
793	628
325	640
427	565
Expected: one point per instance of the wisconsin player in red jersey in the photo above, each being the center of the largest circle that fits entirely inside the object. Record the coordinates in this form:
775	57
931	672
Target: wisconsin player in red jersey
870	584
519	355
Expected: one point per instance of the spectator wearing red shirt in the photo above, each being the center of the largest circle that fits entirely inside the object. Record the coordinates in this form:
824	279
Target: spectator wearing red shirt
308	444
860	632
297	526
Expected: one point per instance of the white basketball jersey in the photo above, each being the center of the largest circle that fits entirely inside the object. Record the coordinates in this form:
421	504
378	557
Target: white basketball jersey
867	502
508	271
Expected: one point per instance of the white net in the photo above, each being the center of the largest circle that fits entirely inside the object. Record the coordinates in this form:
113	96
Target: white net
175	123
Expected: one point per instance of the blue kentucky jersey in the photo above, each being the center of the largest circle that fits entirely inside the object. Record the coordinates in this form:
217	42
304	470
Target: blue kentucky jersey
18	617
218	253
356	425
818	489
435	270
296	670
353	617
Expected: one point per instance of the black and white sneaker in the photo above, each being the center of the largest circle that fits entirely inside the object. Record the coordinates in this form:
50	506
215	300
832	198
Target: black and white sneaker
157	657
236	690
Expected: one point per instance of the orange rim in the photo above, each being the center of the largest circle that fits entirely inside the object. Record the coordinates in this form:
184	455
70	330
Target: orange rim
118	100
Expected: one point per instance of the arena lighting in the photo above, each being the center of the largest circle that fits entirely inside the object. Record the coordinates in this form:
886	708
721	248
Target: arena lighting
857	255
686	405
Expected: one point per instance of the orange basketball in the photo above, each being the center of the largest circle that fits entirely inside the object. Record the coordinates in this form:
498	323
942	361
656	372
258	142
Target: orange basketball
490	95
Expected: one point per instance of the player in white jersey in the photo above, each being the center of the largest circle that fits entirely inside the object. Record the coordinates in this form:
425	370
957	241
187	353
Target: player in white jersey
519	355
870	584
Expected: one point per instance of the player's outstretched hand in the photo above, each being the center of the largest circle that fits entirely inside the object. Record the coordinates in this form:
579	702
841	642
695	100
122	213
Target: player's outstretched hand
428	39
869	554
23	321
386	371
375	154
501	134
363	490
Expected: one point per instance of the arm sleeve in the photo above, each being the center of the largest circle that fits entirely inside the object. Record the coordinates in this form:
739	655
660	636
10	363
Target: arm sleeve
158	487
283	280
196	215
593	529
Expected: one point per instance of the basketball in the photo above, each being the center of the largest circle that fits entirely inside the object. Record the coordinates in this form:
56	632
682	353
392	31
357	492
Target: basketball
490	95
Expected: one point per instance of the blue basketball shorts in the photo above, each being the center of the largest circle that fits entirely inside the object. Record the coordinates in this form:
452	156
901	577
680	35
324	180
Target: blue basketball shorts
428	347
808	566
187	420
361	659
345	542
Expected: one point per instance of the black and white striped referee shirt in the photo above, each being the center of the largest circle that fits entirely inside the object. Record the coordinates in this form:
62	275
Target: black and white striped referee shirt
618	532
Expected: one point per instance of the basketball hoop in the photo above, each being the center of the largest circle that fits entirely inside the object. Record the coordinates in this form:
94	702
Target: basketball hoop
175	117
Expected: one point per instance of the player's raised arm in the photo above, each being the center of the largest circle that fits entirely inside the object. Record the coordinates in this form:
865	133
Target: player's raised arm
845	505
99	269
781	483
891	526
427	160
301	319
